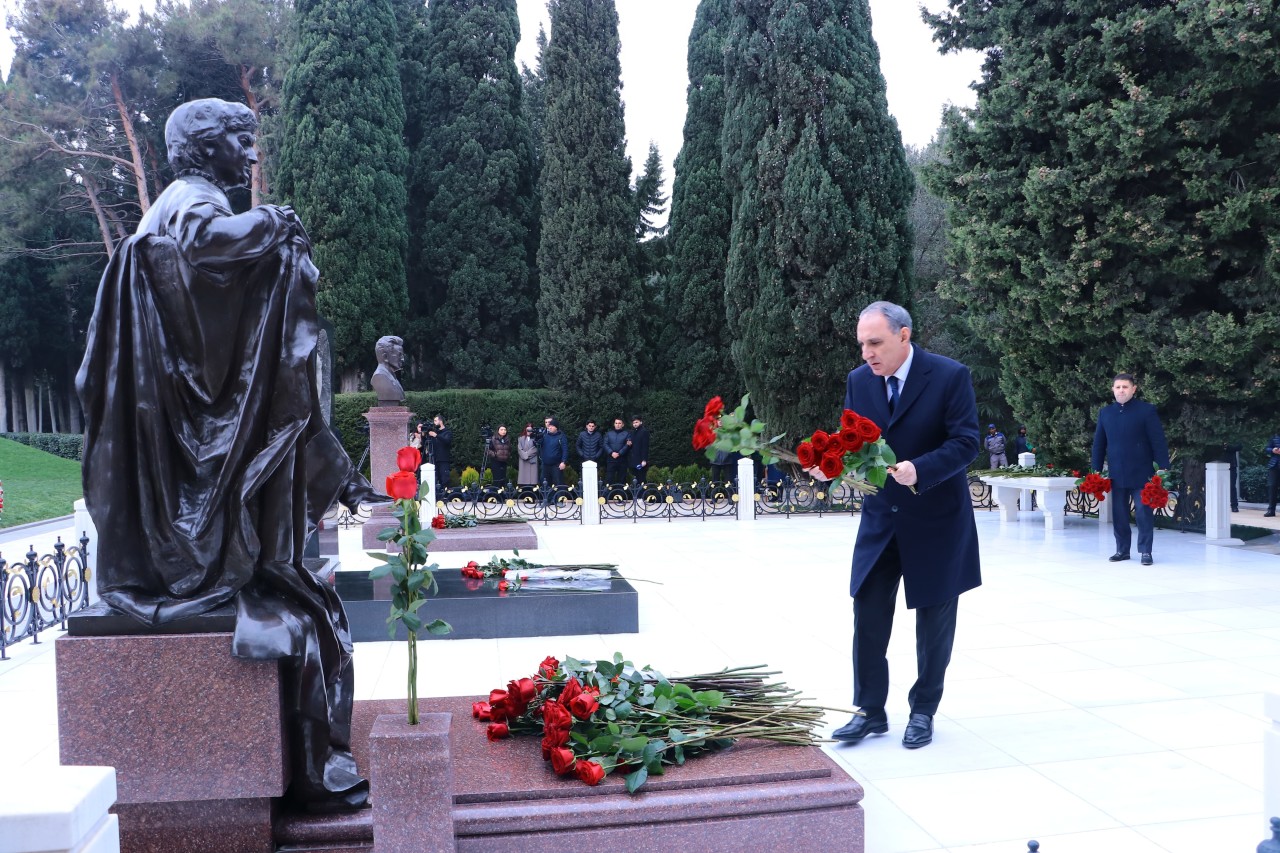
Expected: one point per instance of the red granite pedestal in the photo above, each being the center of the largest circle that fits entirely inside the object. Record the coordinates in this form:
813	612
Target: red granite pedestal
388	432
196	737
752	796
508	536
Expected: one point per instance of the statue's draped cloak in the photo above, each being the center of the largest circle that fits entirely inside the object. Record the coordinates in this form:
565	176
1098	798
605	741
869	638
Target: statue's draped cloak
207	460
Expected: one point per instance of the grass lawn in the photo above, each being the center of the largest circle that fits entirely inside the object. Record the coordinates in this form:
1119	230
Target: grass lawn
37	485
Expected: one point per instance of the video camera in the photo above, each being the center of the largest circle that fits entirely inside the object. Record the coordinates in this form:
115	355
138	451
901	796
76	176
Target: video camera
486	432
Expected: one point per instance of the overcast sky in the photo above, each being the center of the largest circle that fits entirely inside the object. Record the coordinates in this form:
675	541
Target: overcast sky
655	37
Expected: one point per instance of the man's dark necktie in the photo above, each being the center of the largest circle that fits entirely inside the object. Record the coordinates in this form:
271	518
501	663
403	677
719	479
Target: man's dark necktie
893	393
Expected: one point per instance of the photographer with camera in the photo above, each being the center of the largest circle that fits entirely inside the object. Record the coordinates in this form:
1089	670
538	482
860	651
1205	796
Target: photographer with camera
497	452
440	442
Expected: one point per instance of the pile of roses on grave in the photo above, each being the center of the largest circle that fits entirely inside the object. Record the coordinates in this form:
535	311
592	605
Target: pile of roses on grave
607	716
511	573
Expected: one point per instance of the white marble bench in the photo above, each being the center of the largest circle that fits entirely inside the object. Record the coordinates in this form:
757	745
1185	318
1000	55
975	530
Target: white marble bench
1051	493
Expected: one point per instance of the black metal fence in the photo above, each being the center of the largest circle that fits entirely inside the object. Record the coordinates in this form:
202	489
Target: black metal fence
41	591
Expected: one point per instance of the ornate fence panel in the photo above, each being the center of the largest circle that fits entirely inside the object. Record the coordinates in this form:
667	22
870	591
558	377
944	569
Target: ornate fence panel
532	503
41	591
790	496
703	499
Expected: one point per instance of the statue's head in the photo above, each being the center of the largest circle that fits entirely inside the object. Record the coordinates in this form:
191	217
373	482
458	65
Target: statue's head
213	138
390	351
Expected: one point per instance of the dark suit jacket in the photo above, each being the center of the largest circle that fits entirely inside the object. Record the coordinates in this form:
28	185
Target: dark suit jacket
1132	441
934	426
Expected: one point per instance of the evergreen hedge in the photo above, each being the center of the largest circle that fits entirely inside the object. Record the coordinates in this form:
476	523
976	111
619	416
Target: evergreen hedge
66	445
669	415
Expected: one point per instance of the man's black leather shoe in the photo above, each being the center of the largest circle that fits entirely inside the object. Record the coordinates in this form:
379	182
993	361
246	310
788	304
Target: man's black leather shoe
1146	560
919	731
1117	557
1271	513
874	723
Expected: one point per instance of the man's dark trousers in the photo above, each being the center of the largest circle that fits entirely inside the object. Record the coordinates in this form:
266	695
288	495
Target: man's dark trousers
1120	519
873	607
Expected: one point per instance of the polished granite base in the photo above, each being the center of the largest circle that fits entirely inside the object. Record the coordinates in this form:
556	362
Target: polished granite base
478	610
752	796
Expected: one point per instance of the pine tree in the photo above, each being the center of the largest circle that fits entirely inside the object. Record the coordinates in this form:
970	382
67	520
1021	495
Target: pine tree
589	302
342	164
474	173
820	190
650	201
695	337
1115	209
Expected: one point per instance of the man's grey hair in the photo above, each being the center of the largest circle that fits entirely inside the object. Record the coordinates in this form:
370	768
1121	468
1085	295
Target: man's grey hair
383	347
899	318
195	122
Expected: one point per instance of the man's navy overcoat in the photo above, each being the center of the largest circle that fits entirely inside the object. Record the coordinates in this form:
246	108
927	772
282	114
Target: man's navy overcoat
934	426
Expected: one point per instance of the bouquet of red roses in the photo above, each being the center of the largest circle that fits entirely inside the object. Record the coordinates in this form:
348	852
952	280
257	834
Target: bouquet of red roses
595	718
1094	484
1154	494
855	453
719	430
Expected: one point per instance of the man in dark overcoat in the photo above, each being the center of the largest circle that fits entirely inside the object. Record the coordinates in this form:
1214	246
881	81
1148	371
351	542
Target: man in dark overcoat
926	539
1129	437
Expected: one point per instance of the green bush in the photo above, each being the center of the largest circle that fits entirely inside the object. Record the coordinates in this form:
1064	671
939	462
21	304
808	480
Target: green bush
689	473
66	445
1253	483
657	474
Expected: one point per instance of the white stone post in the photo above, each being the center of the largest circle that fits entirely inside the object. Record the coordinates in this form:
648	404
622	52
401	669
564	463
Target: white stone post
590	493
1217	499
1271	757
84	525
1026	460
746	490
429	480
61	808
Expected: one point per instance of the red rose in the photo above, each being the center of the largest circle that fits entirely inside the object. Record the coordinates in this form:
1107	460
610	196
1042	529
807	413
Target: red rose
820	440
497	731
556	717
704	434
503	586
589	772
480	710
550	741
1050	465
714	409
438	522
562	760
408	459
832	464
572	688
850	441
849	419
1075	473
807	455
402	486
548	668
583	706
867	429
519	694
498	707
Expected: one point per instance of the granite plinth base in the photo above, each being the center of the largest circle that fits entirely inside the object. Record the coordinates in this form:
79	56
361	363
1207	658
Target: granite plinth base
476	610
196	735
380	518
508	536
227	826
177	716
753	796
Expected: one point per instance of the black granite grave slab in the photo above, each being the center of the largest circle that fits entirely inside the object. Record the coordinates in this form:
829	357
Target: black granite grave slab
477	610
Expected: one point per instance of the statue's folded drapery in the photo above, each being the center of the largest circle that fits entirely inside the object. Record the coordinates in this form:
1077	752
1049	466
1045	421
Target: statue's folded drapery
206	457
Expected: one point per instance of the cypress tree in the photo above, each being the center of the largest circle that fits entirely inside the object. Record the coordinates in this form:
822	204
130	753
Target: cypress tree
588	306
1115	209
475	187
820	190
342	163
695	338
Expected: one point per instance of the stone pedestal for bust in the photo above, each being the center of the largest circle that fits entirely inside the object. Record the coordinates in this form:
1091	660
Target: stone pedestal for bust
196	735
388	432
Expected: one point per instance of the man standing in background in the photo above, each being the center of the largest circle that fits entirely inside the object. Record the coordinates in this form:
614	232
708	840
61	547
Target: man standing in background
1131	440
